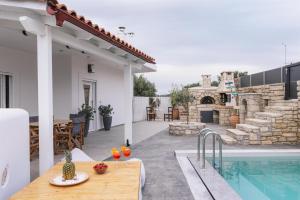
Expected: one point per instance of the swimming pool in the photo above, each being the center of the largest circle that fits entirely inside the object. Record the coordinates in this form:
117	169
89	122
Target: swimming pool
264	178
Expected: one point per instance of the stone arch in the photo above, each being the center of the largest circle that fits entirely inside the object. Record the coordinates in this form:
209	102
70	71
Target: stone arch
207	100
249	104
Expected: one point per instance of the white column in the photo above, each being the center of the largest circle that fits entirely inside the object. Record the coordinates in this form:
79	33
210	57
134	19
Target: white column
128	97
45	99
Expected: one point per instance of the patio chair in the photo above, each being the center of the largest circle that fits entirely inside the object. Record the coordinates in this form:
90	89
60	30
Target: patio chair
33	141
63	138
78	122
151	115
33	119
33	137
169	115
79	156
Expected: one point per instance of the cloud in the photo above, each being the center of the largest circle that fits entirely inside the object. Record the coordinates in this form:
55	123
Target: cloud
191	37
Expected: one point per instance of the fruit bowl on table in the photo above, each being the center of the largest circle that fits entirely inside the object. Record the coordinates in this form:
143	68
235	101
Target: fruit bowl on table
100	168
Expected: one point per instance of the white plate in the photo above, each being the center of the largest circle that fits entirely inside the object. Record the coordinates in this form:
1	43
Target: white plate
57	180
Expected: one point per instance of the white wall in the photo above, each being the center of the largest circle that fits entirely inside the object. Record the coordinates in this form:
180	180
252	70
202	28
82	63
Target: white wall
140	104
22	66
62	86
68	72
139	108
110	86
165	102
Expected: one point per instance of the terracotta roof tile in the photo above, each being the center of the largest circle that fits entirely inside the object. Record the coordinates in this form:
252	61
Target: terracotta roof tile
96	26
63	14
72	12
62	6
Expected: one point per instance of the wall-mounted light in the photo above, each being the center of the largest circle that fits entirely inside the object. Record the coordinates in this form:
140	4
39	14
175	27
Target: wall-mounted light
24	33
91	68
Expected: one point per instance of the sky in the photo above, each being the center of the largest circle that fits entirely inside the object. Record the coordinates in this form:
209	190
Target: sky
193	37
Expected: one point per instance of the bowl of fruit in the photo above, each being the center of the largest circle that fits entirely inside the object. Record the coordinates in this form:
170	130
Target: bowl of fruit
100	168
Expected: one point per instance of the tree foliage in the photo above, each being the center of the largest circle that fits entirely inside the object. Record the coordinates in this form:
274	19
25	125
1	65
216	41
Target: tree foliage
192	85
143	87
215	83
238	74
182	97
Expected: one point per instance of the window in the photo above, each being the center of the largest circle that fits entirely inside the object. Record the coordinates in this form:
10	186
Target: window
5	91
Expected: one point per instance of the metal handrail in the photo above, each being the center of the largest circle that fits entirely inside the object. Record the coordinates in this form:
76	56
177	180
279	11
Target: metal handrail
218	137
201	134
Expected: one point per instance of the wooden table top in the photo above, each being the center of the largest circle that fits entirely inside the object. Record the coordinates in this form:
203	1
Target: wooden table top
120	182
56	121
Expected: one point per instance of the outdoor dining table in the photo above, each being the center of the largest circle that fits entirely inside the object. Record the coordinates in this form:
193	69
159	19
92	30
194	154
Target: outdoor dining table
121	181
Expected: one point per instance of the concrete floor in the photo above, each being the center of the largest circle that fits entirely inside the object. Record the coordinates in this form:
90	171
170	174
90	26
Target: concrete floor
98	144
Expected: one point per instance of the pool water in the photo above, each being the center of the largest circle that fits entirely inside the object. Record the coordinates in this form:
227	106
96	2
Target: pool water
263	178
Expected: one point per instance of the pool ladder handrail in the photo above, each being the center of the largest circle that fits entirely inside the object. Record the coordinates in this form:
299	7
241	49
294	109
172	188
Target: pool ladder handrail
205	133
201	134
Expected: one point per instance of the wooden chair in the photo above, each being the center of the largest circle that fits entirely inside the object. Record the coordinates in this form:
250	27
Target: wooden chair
33	137
78	128
63	138
169	115
33	141
151	115
33	119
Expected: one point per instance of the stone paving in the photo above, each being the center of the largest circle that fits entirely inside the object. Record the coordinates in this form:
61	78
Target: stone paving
164	178
98	144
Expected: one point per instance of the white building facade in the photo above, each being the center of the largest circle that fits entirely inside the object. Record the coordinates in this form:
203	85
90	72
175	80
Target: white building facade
52	61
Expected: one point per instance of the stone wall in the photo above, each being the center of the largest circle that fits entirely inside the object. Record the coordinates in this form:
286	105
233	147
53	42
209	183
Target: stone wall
249	103
298	90
271	92
182	128
224	113
267	103
196	107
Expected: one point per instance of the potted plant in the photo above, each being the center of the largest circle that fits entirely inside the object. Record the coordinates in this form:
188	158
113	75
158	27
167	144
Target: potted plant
88	111
154	103
174	102
105	112
184	98
234	118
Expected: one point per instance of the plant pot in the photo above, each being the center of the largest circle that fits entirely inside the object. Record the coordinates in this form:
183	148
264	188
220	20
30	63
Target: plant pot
107	123
175	113
86	127
234	120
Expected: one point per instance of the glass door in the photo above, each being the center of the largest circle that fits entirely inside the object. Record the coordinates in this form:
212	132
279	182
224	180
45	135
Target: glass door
89	98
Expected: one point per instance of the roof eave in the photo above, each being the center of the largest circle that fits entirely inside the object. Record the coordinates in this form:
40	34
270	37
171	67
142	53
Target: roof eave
62	15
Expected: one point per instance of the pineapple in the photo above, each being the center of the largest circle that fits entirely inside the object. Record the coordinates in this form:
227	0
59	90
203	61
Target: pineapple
69	167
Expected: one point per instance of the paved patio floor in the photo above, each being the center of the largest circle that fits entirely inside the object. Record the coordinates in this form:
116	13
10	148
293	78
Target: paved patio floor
154	145
164	178
98	144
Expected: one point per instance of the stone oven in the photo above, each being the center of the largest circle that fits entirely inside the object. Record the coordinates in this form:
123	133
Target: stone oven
212	104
